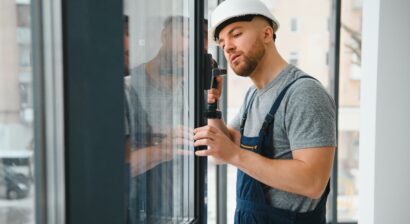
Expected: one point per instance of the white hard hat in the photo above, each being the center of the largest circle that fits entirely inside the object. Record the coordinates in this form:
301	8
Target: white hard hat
230	9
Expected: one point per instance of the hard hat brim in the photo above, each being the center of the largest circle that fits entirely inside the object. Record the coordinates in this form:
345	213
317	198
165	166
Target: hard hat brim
230	9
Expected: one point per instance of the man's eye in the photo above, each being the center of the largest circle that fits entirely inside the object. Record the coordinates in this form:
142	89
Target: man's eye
237	34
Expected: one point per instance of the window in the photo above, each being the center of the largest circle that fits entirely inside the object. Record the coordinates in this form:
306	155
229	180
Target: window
294	25
17	196
349	104
159	93
327	58
293	58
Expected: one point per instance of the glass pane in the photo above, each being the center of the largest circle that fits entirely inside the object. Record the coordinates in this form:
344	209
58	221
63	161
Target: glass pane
16	114
303	41
349	104
159	112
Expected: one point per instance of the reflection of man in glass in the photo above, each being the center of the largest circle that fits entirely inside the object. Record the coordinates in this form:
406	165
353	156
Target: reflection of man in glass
156	109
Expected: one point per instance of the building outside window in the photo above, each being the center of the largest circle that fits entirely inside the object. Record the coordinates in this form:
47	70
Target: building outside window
349	107
16	114
294	25
293	58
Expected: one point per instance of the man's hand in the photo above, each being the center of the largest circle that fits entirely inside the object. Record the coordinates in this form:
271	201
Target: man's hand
175	143
220	147
215	93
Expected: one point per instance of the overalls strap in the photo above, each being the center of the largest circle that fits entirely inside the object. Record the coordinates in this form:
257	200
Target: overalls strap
270	116
245	113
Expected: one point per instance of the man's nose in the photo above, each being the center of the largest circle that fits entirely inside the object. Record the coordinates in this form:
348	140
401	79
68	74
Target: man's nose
229	46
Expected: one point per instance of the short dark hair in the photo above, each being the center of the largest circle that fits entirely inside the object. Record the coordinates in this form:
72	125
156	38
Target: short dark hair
245	18
176	22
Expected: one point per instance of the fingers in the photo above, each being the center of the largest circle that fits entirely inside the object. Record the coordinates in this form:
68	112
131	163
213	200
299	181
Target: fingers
183	129
183	134
204	137
180	135
203	142
213	95
206	128
181	143
184	142
204	134
220	81
203	153
215	92
212	99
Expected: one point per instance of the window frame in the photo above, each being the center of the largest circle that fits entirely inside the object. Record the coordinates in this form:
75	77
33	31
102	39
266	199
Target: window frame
199	68
49	158
92	34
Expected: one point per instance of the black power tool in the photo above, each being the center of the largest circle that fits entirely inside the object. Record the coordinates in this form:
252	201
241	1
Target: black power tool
212	71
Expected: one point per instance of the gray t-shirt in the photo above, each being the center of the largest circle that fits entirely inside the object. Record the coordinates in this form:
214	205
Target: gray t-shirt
160	108
306	118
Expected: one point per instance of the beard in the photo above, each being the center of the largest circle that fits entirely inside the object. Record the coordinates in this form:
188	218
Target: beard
250	61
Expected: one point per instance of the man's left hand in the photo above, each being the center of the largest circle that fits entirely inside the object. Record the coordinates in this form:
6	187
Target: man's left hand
219	145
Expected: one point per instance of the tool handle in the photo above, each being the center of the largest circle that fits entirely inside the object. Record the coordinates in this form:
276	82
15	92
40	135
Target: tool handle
214	84
213	112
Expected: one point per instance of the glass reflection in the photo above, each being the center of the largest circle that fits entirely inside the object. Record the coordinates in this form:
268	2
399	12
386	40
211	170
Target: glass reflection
158	137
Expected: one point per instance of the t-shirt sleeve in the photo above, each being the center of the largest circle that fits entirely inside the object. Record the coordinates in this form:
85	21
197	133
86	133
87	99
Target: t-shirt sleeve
235	123
310	118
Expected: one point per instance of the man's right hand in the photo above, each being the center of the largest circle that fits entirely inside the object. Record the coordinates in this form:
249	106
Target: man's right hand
214	94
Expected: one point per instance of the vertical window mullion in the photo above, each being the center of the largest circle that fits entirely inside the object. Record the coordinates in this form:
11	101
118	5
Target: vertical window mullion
200	162
334	69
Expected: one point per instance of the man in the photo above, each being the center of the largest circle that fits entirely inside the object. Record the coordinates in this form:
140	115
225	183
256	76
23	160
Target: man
283	139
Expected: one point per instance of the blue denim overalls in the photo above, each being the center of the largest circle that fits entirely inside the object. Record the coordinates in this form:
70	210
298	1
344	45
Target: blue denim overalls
252	206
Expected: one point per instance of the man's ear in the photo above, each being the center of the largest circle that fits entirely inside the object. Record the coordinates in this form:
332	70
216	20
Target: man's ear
164	35
268	34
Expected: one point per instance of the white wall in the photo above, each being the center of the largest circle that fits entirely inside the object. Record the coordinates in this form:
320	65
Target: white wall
384	189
